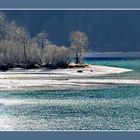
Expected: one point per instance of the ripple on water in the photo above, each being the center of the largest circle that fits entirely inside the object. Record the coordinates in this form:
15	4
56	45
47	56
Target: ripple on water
102	109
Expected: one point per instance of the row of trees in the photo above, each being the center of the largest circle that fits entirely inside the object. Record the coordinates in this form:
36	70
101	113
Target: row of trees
18	49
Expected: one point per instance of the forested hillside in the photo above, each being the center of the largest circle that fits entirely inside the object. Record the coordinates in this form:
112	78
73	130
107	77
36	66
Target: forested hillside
107	30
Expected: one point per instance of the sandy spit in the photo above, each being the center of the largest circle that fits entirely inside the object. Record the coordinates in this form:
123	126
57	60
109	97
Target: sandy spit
43	79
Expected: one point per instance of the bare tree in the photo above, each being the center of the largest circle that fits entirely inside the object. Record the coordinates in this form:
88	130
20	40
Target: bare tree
19	34
63	57
55	56
42	41
3	25
17	48
79	42
33	53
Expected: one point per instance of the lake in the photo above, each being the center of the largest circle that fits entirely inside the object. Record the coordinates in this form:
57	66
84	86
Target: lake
116	108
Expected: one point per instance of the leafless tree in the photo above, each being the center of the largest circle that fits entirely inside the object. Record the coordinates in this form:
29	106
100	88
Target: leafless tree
79	43
3	25
42	42
19	34
18	49
55	56
33	53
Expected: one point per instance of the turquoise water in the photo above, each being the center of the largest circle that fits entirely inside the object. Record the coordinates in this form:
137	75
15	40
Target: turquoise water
133	64
117	108
124	63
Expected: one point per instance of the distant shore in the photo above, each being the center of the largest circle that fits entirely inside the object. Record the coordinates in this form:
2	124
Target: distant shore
57	79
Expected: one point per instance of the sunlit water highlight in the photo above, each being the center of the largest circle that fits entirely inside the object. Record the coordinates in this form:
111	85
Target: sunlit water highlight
117	108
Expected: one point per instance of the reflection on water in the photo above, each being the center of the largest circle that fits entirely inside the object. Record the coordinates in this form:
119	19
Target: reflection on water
101	109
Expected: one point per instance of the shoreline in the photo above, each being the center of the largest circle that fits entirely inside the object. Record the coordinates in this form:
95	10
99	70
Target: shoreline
62	79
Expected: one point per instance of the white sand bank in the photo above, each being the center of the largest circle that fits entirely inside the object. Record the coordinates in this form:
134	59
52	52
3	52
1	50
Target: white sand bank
92	70
61	78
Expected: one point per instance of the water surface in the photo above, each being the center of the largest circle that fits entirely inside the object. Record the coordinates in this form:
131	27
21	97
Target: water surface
116	108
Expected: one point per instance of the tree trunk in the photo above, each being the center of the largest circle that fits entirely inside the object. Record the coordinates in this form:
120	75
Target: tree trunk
40	61
25	56
77	59
5	56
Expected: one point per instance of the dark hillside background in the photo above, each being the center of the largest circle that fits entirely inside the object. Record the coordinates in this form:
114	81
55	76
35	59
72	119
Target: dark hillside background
107	30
